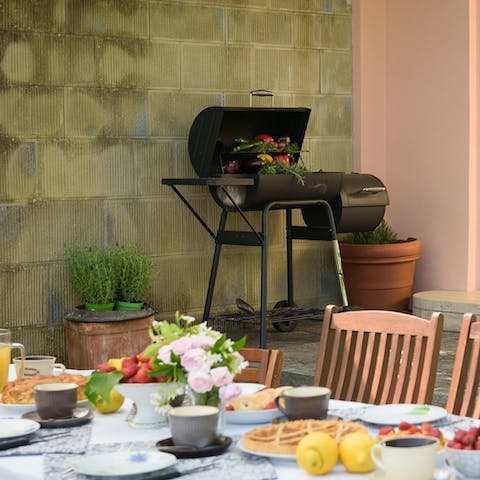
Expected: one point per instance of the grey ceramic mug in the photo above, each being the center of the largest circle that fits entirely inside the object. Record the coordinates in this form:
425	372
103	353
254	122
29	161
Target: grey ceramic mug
304	402
193	426
55	400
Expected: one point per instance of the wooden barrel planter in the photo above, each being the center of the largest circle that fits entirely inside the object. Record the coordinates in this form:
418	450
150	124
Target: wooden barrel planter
92	337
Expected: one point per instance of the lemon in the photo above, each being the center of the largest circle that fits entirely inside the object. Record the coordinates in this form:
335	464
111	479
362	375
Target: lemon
317	453
354	452
115	402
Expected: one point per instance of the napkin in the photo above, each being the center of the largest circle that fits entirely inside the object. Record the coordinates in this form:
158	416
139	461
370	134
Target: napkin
75	442
233	464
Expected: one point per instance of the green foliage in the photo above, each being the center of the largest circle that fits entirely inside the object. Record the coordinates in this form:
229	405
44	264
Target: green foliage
133	272
381	235
273	168
91	274
102	275
100	384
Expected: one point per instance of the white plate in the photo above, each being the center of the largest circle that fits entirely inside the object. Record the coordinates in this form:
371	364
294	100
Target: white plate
17	427
21	408
402	412
278	456
251	417
247	417
123	464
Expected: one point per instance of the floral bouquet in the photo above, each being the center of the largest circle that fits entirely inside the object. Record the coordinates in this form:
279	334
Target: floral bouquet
182	354
198	356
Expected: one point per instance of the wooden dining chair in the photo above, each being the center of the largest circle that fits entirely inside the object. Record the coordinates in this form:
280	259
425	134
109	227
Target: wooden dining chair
265	366
464	393
378	356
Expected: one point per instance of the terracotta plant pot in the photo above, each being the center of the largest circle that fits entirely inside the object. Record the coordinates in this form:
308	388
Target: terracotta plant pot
92	337
380	277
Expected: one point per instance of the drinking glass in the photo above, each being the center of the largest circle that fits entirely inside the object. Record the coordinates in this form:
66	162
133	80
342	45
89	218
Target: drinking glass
5	353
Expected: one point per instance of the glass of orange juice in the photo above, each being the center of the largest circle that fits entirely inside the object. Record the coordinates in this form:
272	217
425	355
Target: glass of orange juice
5	352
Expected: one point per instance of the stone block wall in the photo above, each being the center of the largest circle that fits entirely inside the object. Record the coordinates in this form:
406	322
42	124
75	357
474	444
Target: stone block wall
96	101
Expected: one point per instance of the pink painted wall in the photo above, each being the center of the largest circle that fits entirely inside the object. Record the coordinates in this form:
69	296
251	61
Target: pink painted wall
412	120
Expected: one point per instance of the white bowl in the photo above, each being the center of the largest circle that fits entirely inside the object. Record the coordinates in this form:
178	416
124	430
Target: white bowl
251	417
466	462
144	413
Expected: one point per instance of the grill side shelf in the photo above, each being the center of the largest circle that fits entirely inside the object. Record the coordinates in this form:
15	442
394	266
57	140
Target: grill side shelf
211	181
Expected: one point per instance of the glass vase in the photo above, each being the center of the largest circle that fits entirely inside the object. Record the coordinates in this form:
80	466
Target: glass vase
212	399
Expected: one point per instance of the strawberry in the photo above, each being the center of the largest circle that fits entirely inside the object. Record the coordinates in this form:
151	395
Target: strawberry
468	440
105	368
427	427
459	434
386	430
141	375
229	407
129	366
404	425
435	432
477	445
270	405
413	429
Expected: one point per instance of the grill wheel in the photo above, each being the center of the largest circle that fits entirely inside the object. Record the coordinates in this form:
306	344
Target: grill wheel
284	326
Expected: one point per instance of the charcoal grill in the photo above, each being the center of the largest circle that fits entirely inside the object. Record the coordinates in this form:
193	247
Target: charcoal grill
331	202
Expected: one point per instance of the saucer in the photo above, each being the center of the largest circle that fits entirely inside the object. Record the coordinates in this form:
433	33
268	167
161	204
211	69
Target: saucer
80	416
221	444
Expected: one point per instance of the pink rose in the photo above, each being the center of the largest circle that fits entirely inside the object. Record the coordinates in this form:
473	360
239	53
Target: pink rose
221	376
229	392
200	382
192	360
164	354
181	345
202	341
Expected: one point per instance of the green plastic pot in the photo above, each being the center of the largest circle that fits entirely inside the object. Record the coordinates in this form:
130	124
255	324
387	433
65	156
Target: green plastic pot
127	306
99	307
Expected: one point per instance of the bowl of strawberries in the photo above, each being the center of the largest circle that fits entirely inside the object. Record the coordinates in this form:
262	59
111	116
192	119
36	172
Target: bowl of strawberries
463	452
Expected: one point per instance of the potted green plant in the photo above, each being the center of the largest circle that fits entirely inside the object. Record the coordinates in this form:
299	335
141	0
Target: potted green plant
379	268
92	276
133	271
93	335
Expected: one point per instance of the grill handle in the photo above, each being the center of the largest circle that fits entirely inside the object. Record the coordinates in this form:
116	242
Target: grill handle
260	93
372	190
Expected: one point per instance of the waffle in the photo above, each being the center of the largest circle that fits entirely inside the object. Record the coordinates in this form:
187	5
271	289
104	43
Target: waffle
283	438
21	391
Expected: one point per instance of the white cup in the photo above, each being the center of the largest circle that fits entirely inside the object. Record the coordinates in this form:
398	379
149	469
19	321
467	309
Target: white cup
36	365
412	458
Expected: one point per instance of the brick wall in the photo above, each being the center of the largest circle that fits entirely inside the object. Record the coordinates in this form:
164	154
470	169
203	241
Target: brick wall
96	101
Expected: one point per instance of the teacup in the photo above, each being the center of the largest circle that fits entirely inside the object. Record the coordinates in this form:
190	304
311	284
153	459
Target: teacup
304	402
414	458
55	400
5	352
36	365
193	426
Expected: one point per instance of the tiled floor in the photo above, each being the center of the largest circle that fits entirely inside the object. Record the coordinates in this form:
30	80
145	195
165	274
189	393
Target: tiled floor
301	347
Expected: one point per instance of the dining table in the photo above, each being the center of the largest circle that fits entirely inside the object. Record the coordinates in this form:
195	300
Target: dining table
54	459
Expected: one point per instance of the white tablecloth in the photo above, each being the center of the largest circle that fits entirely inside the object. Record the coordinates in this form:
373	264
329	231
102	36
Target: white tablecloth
114	428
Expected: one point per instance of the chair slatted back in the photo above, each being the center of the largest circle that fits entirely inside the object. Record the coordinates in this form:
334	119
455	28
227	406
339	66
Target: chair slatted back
265	366
379	356
464	393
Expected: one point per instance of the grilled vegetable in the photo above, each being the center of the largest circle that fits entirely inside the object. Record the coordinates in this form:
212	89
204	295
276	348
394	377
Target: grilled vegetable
232	167
252	165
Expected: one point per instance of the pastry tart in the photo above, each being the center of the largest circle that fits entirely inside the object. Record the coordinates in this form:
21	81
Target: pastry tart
283	438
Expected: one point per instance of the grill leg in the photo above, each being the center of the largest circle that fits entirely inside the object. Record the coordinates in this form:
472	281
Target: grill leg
288	213
214	269
263	291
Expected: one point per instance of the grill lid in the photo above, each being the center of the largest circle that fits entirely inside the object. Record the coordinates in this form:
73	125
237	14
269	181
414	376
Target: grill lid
213	132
